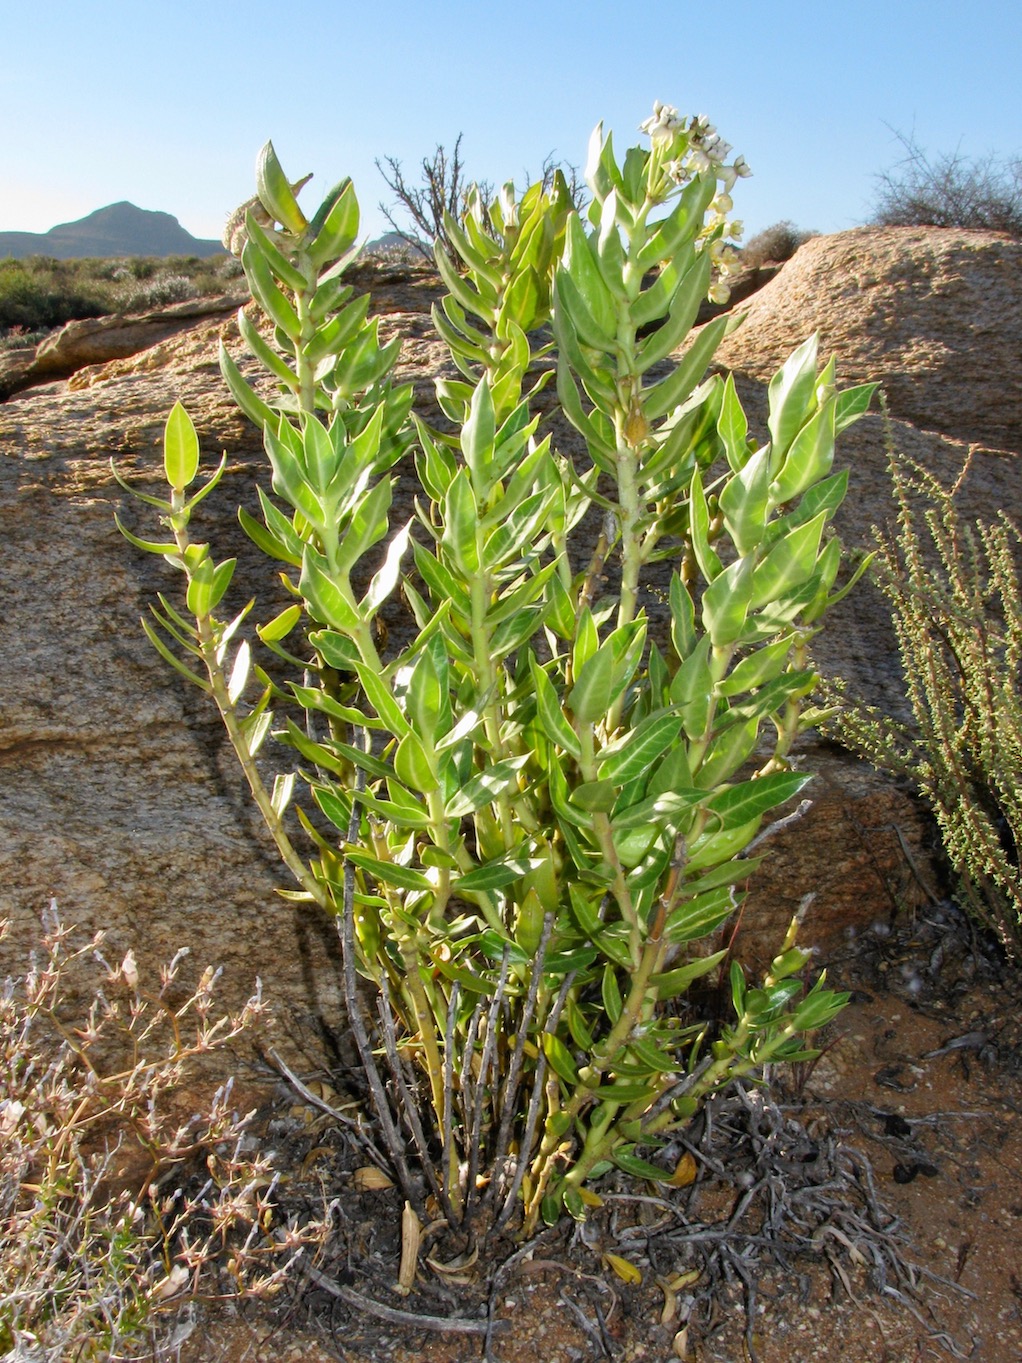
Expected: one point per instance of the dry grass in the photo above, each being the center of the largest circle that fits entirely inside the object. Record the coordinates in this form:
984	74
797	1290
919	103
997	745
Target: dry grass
114	1211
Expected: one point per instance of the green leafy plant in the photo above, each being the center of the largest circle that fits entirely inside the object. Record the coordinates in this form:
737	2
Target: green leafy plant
530	819
954	595
104	1227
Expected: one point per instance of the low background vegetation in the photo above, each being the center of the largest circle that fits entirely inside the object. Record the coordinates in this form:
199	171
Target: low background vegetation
40	292
951	190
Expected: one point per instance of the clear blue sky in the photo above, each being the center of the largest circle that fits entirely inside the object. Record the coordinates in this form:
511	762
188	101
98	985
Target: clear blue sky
166	104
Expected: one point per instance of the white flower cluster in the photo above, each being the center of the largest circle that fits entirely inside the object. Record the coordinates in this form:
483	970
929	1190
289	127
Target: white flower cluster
696	148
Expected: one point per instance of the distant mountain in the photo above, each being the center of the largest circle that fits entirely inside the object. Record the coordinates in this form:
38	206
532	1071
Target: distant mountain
118	230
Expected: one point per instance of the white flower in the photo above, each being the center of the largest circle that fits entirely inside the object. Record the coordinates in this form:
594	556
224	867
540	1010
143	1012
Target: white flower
664	123
723	203
719	293
736	229
698	162
129	969
742	167
11	1113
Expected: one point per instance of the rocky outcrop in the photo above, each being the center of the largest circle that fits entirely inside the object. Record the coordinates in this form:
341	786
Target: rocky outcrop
934	313
98	340
118	794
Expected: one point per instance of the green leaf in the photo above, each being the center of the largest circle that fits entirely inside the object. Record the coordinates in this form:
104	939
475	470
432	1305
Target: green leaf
380	696
678	230
593	692
726	602
809	456
442	583
334	236
168	549
573	310
628	1091
277	306
673	983
733	426
699	517
763	665
275	191
582	270
611	993
672	773
461	523
180	449
337	650
551	714
279	264
486	787
594	796
818	1009
852	404
200	588
632	756
265	354
697	917
496	875
222	574
257	411
175	662
790	563
632	1164
473	302
477	437
745	502
468	979
712	849
726	753
673	390
412	764
683	618
329	603
656	809
386	579
749	800
790	394
685	303
560	1058
403	877
586	914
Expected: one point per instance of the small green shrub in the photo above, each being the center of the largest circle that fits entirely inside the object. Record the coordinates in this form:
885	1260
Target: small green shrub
528	817
776	243
40	297
955	599
158	293
951	191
